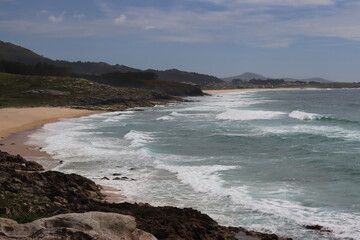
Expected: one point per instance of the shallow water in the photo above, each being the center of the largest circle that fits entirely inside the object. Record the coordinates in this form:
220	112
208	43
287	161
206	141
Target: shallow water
269	161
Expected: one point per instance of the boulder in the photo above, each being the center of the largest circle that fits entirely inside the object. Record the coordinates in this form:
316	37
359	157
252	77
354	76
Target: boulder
89	225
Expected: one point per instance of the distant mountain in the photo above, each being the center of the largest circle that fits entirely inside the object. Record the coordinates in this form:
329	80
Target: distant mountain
248	76
182	76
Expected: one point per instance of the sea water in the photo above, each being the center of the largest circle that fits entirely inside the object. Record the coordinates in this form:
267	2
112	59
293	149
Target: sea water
270	161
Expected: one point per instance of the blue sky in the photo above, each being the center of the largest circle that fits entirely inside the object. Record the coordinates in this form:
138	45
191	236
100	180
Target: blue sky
276	38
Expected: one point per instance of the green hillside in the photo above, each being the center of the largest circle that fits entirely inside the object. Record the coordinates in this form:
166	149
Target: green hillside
25	90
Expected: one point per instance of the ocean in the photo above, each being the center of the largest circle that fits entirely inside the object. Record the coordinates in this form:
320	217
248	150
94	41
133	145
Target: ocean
270	161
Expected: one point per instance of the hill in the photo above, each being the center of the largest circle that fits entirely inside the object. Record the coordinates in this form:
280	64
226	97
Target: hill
182	76
247	76
24	90
12	52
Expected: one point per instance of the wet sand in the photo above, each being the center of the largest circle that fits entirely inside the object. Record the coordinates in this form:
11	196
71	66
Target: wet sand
13	120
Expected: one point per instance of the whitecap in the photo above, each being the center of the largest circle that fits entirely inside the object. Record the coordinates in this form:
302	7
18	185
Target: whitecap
137	138
305	116
245	115
165	118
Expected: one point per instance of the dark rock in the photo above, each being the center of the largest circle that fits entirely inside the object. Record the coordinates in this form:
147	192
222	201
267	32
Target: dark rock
4	211
45	92
116	174
317	228
105	178
12	162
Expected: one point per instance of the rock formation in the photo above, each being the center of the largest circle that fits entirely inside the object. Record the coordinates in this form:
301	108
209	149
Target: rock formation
90	225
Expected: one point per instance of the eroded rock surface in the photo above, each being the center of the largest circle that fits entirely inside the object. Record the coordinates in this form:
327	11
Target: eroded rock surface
89	225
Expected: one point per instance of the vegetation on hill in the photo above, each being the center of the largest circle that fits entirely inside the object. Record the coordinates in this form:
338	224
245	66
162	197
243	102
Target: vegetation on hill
26	90
44	69
139	80
145	80
182	76
12	52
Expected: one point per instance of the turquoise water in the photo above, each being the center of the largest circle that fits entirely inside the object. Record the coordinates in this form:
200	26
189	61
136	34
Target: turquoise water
270	161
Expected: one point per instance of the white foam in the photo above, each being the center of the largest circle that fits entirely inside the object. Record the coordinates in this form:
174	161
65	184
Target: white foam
137	138
206	179
305	116
200	178
176	114
326	131
165	118
64	139
245	115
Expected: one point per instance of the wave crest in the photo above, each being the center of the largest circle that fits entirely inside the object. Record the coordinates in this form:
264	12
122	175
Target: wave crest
308	116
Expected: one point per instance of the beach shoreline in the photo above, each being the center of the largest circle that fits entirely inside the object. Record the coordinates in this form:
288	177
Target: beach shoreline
16	124
14	120
254	90
15	139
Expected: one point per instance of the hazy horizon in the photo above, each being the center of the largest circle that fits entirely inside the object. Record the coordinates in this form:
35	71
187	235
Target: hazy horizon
274	38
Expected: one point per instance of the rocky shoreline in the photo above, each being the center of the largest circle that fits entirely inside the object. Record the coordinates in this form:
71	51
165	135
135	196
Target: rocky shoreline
28	193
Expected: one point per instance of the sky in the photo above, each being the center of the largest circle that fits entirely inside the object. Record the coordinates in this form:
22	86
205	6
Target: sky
275	38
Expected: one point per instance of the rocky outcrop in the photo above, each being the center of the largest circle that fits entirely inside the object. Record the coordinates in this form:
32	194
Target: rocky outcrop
11	162
27	195
90	225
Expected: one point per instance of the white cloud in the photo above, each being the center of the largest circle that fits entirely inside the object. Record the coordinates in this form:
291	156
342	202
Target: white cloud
58	19
120	20
248	25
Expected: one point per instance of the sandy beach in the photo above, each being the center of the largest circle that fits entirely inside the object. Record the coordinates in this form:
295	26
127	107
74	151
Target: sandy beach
17	123
253	90
14	120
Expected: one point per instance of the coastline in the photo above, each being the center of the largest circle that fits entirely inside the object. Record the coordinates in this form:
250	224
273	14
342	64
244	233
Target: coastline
112	195
14	120
254	90
17	124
